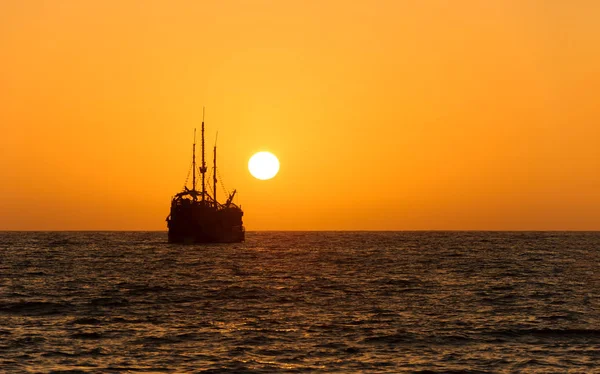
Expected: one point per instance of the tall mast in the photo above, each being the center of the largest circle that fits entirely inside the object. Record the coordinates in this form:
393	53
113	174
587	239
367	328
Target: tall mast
203	167
215	175
194	164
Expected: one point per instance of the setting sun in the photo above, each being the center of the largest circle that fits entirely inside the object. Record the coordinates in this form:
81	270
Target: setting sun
263	165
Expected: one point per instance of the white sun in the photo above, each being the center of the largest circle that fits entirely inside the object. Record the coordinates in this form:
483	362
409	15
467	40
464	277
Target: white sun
263	165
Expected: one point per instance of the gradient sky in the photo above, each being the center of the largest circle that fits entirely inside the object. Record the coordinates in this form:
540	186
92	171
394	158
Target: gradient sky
385	115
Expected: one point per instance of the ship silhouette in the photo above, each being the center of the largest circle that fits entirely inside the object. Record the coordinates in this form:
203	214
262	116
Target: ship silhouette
197	216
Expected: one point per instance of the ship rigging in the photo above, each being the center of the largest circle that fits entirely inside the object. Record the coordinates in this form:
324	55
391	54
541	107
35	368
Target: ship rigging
197	216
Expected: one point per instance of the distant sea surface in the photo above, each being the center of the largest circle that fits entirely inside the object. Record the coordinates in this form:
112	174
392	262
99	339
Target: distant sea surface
369	302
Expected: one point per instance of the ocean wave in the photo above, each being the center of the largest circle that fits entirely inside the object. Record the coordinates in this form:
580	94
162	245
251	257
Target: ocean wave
573	334
36	308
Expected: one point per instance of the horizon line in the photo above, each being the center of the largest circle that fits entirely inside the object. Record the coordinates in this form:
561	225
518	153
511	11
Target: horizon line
330	230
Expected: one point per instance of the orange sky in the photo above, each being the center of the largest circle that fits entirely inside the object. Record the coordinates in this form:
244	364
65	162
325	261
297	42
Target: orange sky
385	115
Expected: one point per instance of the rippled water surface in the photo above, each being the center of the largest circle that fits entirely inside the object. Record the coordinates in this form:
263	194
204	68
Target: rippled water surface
301	302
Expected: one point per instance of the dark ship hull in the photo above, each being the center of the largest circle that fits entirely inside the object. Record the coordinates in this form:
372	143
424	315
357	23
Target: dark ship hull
193	222
197	216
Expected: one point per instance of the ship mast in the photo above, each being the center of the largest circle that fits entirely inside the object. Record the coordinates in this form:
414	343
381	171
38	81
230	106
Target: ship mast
215	174
194	165
203	167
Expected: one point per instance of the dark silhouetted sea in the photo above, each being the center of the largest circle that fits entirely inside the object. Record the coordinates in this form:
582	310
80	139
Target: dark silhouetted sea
369	302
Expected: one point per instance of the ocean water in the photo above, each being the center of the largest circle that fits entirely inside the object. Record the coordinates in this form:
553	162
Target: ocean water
369	302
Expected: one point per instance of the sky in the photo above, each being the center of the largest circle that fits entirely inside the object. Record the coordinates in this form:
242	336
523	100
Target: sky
385	115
